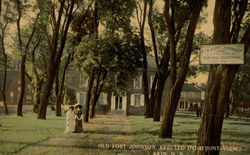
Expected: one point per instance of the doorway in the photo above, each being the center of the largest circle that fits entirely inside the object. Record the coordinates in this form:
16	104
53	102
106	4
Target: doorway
118	103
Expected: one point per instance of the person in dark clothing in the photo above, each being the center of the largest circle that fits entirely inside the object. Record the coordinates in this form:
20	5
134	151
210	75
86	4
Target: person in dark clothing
78	119
198	112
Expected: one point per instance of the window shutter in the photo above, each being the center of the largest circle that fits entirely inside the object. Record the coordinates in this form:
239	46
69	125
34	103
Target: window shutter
142	100
140	82
132	100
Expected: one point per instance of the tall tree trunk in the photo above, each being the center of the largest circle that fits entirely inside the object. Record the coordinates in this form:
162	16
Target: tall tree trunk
158	96
219	80
147	107
97	95
58	113
23	55
59	96
90	85
176	82
153	95
163	75
93	103
94	98
3	94
22	87
55	56
168	114
38	81
36	95
45	98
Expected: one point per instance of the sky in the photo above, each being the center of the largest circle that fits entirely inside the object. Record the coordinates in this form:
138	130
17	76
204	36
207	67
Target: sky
207	28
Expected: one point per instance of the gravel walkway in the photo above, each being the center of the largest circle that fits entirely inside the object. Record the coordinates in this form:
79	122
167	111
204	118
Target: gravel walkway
102	135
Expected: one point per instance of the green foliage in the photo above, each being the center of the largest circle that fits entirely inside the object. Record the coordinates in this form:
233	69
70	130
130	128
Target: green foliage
241	84
69	97
119	56
115	14
195	68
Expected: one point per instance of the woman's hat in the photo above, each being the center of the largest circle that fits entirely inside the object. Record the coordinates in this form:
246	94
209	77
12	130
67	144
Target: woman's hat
78	106
71	107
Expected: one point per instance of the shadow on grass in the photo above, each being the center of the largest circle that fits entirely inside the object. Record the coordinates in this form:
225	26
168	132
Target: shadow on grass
240	123
106	123
108	132
15	142
235	134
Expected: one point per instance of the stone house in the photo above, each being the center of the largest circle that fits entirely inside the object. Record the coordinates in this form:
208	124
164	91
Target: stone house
13	88
192	97
132	103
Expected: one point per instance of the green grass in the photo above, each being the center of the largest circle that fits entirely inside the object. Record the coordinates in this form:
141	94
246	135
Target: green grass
17	133
236	132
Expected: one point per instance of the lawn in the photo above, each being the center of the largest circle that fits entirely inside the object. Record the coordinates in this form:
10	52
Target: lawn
236	133
17	133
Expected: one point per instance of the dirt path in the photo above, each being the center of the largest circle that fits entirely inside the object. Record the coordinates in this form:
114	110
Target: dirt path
103	135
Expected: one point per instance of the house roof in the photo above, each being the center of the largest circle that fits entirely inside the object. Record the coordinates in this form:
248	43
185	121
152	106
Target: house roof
11	76
190	88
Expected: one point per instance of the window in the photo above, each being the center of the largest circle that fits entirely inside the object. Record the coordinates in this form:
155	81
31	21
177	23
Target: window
82	98
191	104
191	94
118	102
29	88
28	97
83	81
151	81
137	100
186	104
181	104
137	82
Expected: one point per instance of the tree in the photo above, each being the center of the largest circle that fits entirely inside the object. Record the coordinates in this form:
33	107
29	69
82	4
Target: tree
118	59
228	21
114	16
5	19
176	15
56	48
37	58
21	8
155	22
141	18
60	91
160	44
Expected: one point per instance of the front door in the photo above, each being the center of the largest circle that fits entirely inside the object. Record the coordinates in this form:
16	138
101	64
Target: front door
118	103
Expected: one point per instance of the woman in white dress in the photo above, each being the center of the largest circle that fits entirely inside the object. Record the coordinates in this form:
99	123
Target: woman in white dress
70	120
